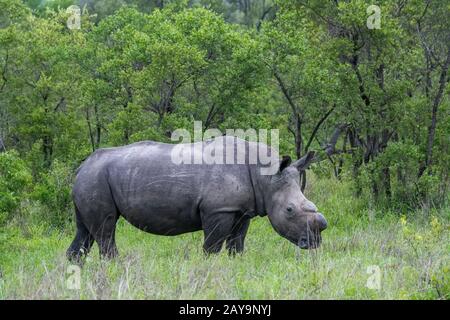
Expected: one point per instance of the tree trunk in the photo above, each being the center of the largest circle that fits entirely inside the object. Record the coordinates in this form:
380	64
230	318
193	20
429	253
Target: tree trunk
341	160
126	131
2	146
386	174
47	148
432	128
91	135
98	128
298	137
357	160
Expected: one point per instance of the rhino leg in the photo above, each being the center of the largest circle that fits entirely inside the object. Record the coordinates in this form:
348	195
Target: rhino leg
99	215
82	243
235	242
105	237
217	227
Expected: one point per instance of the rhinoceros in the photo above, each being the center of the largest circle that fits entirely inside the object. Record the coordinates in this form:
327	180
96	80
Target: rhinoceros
141	183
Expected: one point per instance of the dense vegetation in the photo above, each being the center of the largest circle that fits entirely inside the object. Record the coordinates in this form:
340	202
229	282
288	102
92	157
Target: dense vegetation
373	102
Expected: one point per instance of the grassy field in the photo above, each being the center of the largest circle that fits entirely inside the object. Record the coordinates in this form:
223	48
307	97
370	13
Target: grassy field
411	253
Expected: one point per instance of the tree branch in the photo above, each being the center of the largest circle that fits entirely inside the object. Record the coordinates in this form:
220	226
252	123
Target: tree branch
316	128
330	147
285	92
265	13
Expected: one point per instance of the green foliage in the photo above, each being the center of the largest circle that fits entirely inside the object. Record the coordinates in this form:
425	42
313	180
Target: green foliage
53	192
402	160
15	183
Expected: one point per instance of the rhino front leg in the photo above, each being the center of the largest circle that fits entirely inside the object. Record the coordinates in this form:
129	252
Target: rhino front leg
217	227
235	243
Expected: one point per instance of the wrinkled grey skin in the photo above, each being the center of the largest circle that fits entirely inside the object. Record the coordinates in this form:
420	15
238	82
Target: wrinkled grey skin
140	183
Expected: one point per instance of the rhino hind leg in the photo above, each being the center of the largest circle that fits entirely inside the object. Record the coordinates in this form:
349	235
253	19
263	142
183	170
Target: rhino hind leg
105	237
82	243
99	215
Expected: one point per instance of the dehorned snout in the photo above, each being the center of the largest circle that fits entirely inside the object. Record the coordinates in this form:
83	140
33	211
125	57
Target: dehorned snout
309	206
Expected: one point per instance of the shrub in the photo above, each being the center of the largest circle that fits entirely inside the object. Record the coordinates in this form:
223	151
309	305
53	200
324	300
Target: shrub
54	193
15	182
392	179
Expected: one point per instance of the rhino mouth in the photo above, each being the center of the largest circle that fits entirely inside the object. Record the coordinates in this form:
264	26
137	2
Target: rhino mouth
308	240
311	242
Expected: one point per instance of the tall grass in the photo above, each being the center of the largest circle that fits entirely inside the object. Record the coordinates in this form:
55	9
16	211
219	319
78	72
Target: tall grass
411	252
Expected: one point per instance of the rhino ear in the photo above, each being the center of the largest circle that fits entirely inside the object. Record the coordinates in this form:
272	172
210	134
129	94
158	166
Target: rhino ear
303	163
285	162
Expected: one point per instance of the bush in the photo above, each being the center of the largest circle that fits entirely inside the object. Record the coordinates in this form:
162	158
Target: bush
15	182
392	179
402	159
54	194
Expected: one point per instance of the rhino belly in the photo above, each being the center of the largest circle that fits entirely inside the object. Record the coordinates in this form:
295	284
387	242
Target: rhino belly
161	207
163	221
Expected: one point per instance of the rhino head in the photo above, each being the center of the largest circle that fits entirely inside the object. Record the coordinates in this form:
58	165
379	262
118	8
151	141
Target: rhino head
292	215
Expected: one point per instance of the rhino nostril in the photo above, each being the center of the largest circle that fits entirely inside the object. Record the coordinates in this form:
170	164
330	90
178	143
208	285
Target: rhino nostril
303	243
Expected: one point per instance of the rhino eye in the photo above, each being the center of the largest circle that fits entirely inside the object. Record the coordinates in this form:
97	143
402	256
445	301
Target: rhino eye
289	210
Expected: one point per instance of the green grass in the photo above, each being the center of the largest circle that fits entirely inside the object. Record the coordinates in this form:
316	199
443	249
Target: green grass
412	254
